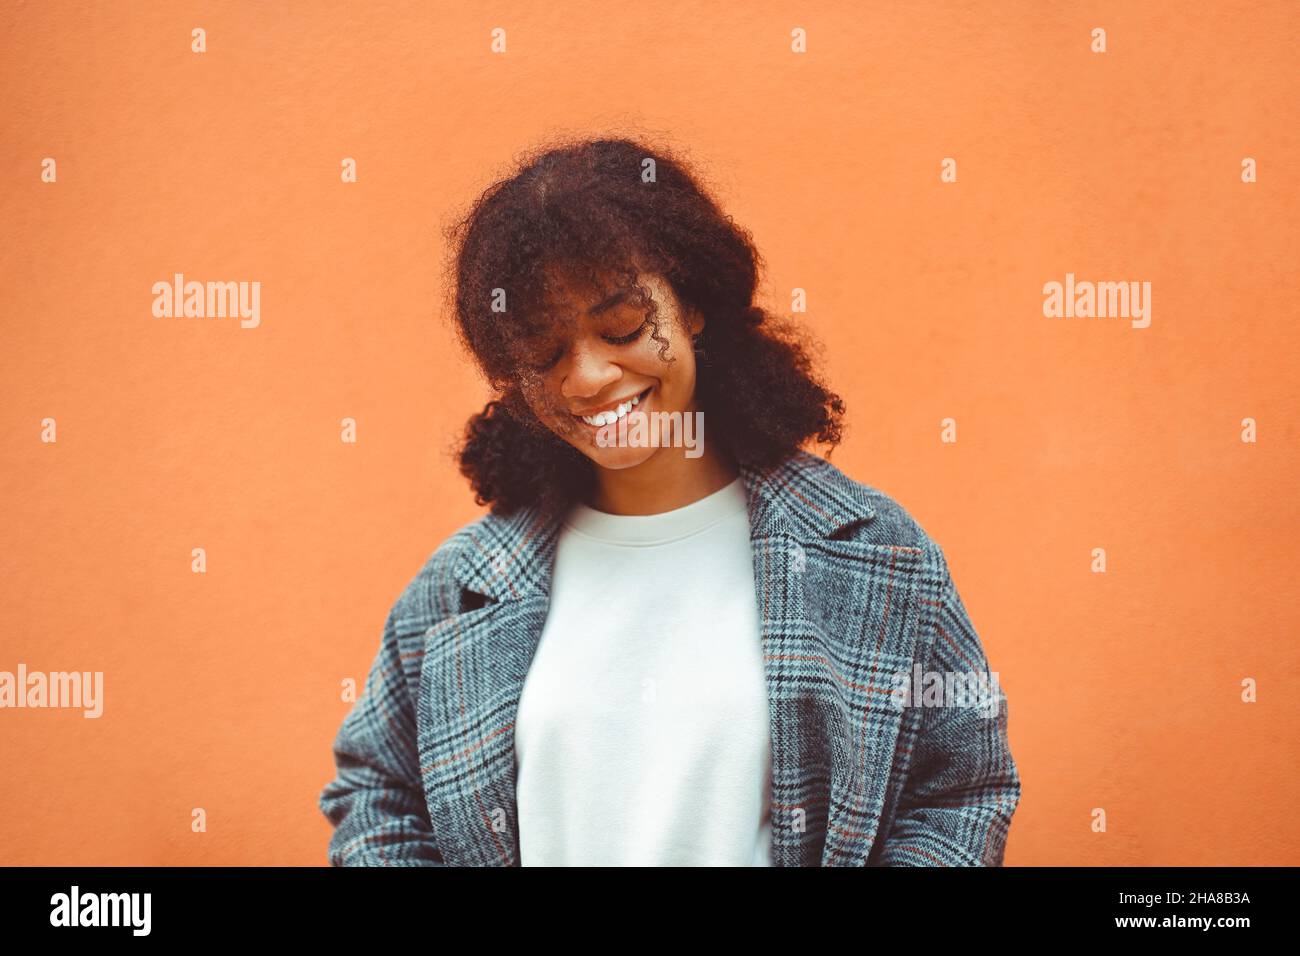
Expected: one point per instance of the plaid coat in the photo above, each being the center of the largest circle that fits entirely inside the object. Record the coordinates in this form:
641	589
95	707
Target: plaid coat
850	591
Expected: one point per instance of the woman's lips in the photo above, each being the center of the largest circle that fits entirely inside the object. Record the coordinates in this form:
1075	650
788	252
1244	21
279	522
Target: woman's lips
642	398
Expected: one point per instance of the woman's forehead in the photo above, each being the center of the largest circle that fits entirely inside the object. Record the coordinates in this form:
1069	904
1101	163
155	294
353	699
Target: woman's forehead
578	290
574	297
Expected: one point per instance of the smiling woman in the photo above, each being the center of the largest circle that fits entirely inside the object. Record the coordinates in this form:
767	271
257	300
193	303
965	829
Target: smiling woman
617	353
640	656
620	288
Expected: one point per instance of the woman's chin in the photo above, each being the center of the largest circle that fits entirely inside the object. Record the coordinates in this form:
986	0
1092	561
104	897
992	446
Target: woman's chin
618	458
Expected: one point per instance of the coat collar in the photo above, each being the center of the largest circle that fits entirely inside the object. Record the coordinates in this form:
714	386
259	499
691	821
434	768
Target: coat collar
804	497
839	611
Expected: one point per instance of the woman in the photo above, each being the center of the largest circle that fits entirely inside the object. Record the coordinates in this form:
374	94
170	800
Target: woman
665	643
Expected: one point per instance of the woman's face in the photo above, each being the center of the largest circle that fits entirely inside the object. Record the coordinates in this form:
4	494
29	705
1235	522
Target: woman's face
601	356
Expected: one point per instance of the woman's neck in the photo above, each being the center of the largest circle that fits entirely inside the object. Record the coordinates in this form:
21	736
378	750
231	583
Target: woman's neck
663	482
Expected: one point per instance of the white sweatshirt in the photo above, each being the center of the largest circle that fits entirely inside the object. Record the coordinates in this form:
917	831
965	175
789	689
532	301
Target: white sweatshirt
642	735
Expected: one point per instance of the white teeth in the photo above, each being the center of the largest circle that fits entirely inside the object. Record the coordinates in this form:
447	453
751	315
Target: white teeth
606	418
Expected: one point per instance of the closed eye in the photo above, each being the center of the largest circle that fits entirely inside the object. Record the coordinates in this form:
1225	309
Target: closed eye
611	339
545	366
630	337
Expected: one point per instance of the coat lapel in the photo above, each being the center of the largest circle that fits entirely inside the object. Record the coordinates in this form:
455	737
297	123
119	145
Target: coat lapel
838	618
839	615
471	680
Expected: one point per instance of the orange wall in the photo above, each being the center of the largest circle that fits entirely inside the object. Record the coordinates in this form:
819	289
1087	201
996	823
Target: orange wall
222	689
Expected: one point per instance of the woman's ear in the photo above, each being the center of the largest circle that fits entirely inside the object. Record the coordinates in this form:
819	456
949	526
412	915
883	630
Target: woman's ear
696	322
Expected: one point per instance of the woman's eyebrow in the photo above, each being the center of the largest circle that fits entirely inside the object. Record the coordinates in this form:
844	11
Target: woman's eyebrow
603	306
608	303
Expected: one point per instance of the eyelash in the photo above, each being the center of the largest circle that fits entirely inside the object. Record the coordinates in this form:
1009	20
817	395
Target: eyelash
616	340
631	336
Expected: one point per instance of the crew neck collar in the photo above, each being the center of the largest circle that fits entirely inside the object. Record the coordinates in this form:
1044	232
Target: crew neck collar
659	528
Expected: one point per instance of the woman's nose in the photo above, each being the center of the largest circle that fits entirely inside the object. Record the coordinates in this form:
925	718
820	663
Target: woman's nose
591	369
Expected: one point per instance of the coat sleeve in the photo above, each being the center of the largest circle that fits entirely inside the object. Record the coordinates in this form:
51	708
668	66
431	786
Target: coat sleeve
376	801
962	787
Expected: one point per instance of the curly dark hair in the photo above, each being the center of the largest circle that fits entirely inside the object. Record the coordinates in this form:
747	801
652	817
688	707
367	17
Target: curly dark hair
614	206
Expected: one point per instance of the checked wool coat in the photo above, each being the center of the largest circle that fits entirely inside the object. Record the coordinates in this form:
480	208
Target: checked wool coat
850	591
